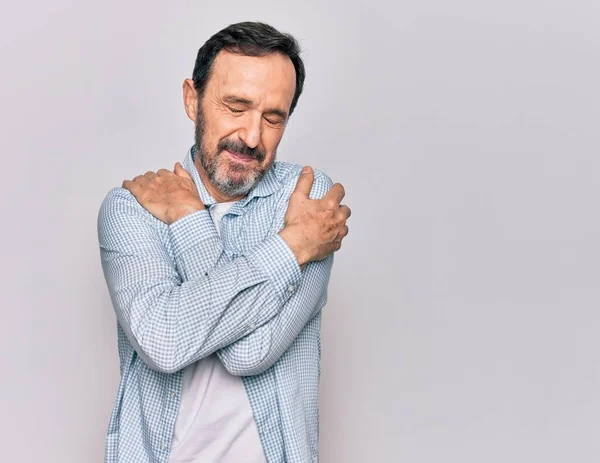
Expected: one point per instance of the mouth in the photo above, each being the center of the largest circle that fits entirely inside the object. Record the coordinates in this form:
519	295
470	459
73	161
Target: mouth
240	157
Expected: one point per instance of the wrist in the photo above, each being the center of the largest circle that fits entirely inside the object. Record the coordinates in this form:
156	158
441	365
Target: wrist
297	244
182	211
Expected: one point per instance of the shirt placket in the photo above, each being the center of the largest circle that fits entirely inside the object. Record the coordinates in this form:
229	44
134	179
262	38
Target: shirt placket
171	401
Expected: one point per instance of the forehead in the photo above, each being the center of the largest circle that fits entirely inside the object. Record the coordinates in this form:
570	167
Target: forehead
270	78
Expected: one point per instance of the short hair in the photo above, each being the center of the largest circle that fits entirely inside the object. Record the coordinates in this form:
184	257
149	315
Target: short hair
248	39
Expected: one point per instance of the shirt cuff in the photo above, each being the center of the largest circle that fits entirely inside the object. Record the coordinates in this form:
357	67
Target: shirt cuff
188	231
275	258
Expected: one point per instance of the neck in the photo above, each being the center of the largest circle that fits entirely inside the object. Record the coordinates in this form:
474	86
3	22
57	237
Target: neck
219	196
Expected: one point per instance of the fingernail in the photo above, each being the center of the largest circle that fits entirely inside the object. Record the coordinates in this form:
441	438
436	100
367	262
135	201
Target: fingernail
306	170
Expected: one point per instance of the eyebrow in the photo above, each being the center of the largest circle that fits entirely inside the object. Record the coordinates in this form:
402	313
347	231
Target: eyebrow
232	99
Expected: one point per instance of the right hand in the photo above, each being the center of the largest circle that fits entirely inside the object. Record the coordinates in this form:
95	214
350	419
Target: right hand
314	228
168	196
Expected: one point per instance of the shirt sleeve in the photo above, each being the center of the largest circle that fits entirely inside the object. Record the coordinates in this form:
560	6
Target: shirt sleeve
176	315
260	349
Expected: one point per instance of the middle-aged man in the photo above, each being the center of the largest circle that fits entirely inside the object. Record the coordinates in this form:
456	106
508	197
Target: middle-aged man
218	272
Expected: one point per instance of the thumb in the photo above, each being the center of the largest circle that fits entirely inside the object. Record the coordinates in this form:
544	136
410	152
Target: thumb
305	182
179	170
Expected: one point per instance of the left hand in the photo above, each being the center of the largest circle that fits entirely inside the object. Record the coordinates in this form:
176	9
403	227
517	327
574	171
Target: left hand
167	195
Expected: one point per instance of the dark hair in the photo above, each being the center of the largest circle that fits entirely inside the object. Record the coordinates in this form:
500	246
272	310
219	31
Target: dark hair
248	39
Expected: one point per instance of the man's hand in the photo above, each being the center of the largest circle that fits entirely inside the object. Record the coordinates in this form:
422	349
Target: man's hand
314	228
167	195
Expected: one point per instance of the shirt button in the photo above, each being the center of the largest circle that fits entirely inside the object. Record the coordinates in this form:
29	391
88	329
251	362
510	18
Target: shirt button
174	394
291	288
163	446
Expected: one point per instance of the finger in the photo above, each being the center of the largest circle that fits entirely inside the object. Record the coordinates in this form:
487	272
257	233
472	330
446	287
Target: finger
343	233
179	170
131	186
336	193
305	182
150	175
164	173
346	211
138	184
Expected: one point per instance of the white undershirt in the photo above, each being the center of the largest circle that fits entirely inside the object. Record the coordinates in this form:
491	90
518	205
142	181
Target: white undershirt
215	421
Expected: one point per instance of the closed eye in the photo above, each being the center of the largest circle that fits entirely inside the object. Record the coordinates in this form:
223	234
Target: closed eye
273	122
235	110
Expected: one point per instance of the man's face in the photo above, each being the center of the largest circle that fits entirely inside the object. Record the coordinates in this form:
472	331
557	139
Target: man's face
241	118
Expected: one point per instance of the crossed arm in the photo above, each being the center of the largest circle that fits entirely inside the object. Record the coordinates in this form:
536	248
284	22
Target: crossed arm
174	312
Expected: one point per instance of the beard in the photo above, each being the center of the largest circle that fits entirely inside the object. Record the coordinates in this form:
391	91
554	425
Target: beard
230	178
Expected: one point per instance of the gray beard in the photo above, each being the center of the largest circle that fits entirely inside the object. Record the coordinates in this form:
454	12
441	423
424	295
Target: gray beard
217	172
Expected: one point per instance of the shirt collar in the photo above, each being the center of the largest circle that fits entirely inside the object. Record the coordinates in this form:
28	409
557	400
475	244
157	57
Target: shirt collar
268	185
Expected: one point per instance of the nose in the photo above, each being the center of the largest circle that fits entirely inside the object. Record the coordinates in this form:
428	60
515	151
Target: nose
250	131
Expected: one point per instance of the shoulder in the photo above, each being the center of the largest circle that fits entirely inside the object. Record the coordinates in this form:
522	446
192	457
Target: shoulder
287	174
120	213
120	201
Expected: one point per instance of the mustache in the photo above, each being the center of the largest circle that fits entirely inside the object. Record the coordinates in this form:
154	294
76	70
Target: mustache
238	146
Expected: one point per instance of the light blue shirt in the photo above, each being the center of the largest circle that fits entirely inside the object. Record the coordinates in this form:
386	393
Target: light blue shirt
181	293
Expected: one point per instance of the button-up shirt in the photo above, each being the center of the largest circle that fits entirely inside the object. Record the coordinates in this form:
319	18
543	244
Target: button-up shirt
182	292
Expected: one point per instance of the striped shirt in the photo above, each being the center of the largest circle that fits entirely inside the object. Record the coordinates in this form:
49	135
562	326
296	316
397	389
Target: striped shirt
182	292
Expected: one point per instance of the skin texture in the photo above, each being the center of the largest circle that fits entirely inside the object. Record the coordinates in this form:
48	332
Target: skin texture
246	99
239	125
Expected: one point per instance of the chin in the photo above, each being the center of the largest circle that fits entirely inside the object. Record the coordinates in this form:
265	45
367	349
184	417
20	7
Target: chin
233	183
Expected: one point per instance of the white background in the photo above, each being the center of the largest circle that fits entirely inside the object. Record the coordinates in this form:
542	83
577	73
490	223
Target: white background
463	316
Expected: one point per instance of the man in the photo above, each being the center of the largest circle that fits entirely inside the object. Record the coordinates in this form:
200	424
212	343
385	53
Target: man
218	271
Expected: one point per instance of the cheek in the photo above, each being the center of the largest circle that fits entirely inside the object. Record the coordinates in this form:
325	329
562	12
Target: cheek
271	139
217	126
213	135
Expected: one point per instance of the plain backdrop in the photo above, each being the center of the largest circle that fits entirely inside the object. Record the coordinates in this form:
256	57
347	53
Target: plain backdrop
463	317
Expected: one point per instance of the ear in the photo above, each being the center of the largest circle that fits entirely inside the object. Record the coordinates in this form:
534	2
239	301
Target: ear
190	99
